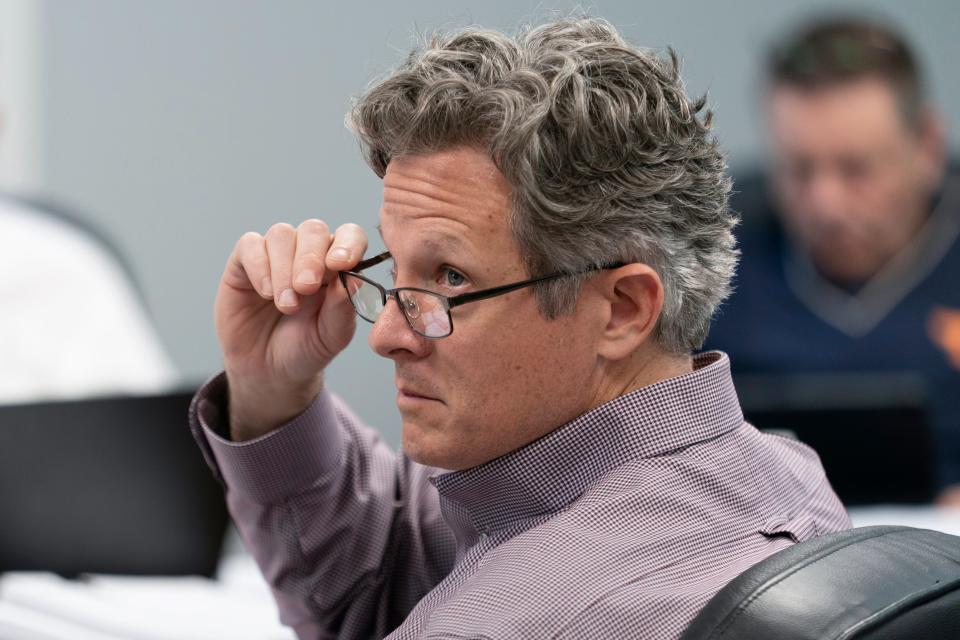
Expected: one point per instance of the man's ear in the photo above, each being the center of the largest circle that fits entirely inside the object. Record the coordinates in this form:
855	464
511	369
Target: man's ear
933	143
635	295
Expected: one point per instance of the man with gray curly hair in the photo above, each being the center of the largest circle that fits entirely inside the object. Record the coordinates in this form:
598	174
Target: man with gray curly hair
558	236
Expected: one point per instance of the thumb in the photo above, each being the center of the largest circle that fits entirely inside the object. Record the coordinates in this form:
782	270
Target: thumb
337	320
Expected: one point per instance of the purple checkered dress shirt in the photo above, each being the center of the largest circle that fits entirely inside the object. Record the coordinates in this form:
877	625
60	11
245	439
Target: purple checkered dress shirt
620	524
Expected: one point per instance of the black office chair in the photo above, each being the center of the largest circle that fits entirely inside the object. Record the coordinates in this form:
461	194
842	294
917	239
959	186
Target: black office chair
871	583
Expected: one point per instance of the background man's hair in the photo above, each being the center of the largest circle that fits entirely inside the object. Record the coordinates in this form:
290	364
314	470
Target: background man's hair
835	50
607	157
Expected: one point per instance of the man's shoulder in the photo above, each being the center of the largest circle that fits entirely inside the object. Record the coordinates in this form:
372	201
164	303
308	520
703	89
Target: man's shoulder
646	546
640	518
572	579
761	240
625	611
689	504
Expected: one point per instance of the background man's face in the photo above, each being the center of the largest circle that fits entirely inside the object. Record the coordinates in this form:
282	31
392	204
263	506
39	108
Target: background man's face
505	376
853	180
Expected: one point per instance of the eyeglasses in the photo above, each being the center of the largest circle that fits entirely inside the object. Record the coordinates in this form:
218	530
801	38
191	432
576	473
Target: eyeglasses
427	312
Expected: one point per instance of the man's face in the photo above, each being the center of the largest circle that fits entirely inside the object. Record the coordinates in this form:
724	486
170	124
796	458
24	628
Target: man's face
506	375
852	178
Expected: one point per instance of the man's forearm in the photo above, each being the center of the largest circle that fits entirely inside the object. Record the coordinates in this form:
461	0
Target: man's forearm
321	503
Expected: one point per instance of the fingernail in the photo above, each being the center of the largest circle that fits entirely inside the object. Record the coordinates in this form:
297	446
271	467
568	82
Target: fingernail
266	286
339	253
307	277
288	298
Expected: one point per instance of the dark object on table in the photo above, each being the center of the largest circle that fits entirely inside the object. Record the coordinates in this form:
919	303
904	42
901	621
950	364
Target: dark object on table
108	485
871	430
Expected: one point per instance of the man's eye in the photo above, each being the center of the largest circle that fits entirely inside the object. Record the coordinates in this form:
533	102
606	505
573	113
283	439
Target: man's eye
451	278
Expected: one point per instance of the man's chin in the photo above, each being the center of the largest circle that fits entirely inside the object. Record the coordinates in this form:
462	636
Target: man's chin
425	444
845	263
420	443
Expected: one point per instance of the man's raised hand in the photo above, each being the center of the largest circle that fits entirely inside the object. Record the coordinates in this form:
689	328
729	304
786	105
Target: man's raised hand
281	316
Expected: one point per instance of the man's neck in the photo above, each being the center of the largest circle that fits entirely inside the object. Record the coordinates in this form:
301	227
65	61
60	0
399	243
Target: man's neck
647	366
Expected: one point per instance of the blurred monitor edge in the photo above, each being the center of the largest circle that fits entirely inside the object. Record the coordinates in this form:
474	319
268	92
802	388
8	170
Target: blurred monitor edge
107	485
871	430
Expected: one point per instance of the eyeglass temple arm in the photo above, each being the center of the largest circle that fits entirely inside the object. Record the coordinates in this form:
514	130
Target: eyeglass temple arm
370	262
464	298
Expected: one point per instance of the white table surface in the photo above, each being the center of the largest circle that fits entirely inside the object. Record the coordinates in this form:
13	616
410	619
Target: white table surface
236	606
920	516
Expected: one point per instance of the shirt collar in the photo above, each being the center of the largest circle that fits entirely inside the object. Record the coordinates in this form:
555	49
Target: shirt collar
551	472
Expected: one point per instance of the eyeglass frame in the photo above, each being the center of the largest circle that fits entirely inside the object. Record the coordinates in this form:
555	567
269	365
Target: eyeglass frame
448	302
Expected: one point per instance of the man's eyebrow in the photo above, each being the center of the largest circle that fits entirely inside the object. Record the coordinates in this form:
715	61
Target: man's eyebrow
443	241
438	240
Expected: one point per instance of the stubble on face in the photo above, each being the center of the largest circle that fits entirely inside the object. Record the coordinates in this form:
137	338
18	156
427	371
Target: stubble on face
505	376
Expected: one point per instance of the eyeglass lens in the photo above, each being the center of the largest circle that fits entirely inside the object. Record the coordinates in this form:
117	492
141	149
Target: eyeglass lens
426	312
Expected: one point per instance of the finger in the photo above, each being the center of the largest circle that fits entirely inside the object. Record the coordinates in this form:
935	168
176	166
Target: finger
313	240
337	299
349	245
249	267
281	242
337	321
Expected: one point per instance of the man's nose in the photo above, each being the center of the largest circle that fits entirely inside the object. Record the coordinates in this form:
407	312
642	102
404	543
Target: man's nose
826	197
392	337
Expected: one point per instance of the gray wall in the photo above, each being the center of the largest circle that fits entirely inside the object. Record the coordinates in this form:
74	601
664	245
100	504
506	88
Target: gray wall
178	125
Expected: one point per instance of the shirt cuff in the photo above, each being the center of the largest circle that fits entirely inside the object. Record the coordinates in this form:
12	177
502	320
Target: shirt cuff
277	465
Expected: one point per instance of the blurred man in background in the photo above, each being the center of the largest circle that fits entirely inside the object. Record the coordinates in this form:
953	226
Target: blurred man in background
853	265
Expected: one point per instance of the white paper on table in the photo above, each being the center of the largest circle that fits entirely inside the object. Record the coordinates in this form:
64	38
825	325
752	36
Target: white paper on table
919	516
237	607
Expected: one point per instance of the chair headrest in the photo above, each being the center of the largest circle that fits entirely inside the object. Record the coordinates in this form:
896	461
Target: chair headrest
873	582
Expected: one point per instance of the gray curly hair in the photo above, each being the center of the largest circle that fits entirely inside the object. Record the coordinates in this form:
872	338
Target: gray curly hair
607	157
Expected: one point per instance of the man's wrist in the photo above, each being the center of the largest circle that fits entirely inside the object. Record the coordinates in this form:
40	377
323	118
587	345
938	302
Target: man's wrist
254	411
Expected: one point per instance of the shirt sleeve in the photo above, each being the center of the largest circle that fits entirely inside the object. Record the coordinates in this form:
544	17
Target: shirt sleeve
347	533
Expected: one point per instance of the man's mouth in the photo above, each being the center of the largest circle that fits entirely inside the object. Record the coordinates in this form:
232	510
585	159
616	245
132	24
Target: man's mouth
412	392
